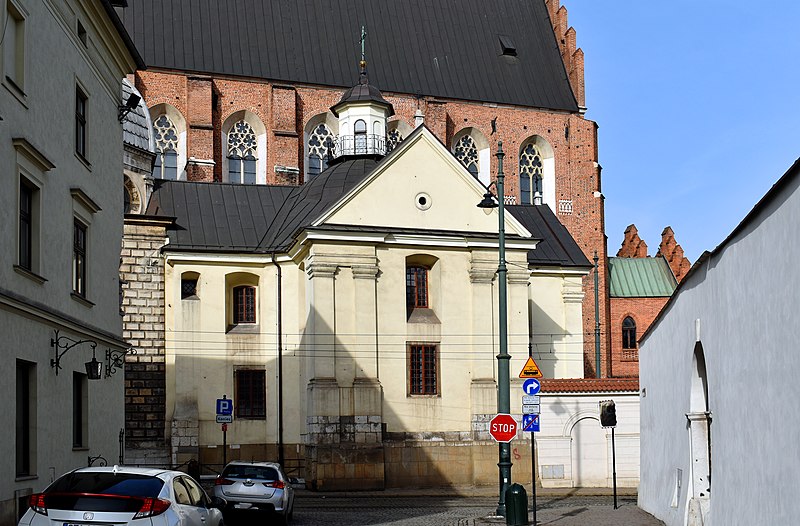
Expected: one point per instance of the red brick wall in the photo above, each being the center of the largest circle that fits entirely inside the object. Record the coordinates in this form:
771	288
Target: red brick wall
643	311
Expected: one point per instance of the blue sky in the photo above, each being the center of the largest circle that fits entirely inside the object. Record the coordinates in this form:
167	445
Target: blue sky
698	107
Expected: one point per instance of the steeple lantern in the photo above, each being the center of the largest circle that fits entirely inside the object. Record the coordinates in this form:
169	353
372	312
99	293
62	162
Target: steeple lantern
362	113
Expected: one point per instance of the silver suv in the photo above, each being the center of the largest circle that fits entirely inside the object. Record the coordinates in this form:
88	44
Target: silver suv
251	487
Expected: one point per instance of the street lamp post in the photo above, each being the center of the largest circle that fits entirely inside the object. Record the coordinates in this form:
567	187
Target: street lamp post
503	358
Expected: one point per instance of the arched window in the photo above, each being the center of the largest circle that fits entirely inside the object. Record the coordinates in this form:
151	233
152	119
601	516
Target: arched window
320	146
242	154
244	304
466	152
531	173
360	132
628	333
165	138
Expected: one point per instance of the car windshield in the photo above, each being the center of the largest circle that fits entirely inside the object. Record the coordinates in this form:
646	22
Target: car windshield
250	472
106	483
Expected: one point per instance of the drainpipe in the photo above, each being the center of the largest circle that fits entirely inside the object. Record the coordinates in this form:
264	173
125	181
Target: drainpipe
596	316
279	292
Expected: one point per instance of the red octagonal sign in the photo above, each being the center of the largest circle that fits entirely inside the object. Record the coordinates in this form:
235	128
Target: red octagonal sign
503	427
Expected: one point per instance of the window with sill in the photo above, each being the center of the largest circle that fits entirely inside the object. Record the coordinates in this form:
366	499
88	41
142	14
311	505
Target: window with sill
26	224
81	100
165	136
416	287
244	304
79	243
13	43
629	346
242	148
251	394
423	369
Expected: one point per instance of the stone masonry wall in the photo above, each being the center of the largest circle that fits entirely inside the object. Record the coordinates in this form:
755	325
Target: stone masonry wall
142	276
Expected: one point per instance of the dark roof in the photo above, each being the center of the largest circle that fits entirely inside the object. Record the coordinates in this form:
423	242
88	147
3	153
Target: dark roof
110	7
640	278
557	248
446	48
363	92
136	125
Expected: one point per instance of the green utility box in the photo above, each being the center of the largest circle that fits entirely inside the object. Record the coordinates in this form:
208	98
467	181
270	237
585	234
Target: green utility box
516	506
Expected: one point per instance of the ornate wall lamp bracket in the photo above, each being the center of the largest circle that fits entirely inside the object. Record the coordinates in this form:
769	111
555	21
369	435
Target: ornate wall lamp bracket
116	359
62	344
94	369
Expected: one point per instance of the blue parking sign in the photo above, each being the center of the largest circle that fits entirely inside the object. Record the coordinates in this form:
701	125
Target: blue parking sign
224	406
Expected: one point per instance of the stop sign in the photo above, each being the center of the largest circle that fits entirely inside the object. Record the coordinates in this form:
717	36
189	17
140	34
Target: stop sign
503	427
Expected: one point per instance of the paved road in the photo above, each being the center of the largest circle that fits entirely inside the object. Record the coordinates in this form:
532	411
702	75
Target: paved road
318	510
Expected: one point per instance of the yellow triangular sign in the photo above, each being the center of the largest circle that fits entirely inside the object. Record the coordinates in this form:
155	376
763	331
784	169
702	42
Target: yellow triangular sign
530	369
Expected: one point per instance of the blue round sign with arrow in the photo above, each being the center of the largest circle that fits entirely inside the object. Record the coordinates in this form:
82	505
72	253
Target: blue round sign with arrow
531	386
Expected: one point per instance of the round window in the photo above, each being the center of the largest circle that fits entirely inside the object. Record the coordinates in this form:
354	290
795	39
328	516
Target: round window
423	201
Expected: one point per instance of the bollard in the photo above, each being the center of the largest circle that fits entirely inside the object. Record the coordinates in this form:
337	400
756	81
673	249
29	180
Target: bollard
516	506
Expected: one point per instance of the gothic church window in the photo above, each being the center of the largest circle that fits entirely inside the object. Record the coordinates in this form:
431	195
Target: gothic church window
466	152
241	154
320	142
530	173
628	333
165	136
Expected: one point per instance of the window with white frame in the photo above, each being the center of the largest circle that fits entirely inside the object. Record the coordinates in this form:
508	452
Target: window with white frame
320	147
242	148
165	137
466	152
79	242
531	173
81	102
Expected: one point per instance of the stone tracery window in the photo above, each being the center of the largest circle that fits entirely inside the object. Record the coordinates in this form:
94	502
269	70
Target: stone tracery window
466	152
242	146
165	136
320	141
530	173
393	140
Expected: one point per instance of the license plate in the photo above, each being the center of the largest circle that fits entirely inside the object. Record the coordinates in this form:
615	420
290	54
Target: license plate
73	524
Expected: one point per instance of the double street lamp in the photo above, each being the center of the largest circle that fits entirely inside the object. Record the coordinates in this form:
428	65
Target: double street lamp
503	358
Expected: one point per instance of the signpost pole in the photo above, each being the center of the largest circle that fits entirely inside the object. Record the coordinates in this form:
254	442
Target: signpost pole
533	476
224	446
614	465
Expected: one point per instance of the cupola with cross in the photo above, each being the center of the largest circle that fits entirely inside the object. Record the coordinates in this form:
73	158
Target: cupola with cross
362	112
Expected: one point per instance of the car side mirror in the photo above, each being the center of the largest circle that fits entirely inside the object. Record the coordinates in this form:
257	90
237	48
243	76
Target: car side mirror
218	502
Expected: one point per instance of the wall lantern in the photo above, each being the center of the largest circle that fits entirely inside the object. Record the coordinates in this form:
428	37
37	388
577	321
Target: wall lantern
94	368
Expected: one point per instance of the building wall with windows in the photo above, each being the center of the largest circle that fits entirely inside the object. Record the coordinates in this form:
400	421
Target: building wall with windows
60	165
353	350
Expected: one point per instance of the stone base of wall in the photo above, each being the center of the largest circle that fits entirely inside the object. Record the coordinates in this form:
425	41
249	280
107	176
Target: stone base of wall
148	456
340	467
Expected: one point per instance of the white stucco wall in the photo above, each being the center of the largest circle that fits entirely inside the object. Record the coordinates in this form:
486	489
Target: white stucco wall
745	298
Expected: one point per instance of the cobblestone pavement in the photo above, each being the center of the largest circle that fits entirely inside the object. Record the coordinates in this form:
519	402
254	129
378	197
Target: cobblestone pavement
435	510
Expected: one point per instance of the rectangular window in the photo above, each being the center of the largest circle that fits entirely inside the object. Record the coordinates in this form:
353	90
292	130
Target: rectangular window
80	407
244	304
416	287
423	370
188	288
14	48
79	259
25	226
249	170
251	394
25	419
80	122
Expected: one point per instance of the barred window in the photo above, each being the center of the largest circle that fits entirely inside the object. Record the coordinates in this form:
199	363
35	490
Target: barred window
251	394
244	304
416	287
423	370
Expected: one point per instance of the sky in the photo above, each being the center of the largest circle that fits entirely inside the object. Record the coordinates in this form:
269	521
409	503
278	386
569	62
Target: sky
698	108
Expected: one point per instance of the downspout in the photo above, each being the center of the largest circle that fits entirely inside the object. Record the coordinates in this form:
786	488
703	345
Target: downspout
596	315
279	293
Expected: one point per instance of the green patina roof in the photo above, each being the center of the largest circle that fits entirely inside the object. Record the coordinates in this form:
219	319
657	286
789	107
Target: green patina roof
640	277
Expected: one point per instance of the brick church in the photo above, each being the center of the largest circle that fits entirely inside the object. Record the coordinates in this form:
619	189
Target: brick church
270	95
